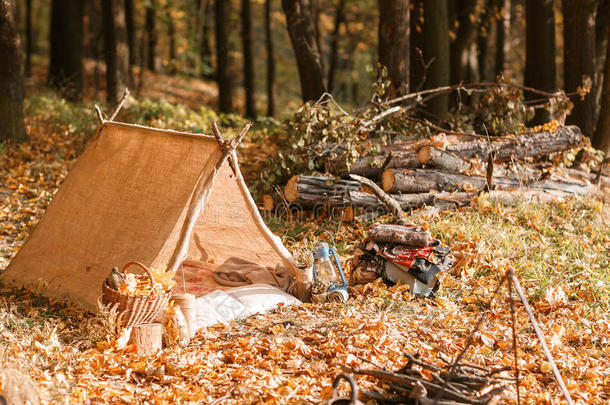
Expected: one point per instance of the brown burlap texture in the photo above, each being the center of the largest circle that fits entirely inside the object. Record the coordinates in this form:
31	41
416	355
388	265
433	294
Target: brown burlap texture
126	199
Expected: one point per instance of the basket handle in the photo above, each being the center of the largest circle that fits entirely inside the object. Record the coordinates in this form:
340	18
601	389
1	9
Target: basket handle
142	266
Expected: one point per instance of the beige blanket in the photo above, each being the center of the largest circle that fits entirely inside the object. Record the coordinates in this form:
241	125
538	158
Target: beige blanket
236	272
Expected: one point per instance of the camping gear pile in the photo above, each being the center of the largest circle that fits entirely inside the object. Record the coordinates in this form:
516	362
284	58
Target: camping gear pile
405	254
420	382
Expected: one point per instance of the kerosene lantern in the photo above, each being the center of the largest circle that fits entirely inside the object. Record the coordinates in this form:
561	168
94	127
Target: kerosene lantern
329	281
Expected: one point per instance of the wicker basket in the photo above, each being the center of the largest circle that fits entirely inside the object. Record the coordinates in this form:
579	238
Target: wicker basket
136	309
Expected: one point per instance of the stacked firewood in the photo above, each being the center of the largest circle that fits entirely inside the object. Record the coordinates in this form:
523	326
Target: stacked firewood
423	383
447	169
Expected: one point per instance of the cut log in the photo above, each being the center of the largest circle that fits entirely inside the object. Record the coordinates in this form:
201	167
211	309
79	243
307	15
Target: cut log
370	202
147	337
409	236
518	147
271	201
316	184
425	180
430	156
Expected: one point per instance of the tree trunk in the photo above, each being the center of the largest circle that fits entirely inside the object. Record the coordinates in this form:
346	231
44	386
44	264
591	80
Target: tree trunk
306	52
602	132
468	24
579	59
503	37
116	50
151	36
393	48
416	46
66	65
131	32
223	72
246	36
436	34
12	128
205	49
29	46
171	33
485	43
316	10
540	66
270	61
334	45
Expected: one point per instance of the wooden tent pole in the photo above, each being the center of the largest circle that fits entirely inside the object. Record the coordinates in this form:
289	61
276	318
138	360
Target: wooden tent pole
122	101
201	194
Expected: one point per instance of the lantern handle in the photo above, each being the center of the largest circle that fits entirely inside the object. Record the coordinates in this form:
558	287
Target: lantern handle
338	267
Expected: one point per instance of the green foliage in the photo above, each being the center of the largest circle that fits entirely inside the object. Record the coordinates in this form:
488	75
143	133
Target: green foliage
162	114
76	118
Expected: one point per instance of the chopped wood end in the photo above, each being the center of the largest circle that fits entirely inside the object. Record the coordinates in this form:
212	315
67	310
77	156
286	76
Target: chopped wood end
424	154
291	191
268	203
387	179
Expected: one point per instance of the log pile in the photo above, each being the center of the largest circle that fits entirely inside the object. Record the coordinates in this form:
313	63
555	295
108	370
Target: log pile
447	170
459	385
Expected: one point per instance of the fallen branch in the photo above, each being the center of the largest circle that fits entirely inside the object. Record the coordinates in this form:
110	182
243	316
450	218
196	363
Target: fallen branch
391	203
513	278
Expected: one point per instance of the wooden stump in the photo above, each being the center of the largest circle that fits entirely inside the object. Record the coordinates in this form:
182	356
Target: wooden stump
147	337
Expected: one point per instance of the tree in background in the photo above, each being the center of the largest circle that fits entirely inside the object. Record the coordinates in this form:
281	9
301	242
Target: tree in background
246	37
270	61
503	36
65	65
601	140
416	46
116	50
540	66
29	38
151	35
334	45
171	34
306	52
223	75
12	128
436	50
131	34
393	45
579	59
205	49
485	43
468	17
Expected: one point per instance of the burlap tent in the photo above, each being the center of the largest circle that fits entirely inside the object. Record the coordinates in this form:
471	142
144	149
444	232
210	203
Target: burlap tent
129	197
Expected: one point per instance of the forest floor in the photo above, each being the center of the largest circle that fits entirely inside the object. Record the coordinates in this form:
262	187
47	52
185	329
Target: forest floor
54	352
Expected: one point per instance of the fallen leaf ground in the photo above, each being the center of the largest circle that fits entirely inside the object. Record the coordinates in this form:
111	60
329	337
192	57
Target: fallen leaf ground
53	352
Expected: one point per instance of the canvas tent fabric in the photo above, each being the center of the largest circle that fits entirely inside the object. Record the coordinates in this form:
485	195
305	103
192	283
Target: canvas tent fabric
126	199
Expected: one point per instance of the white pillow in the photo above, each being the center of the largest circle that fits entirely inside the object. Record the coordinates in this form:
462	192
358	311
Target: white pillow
258	298
218	307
